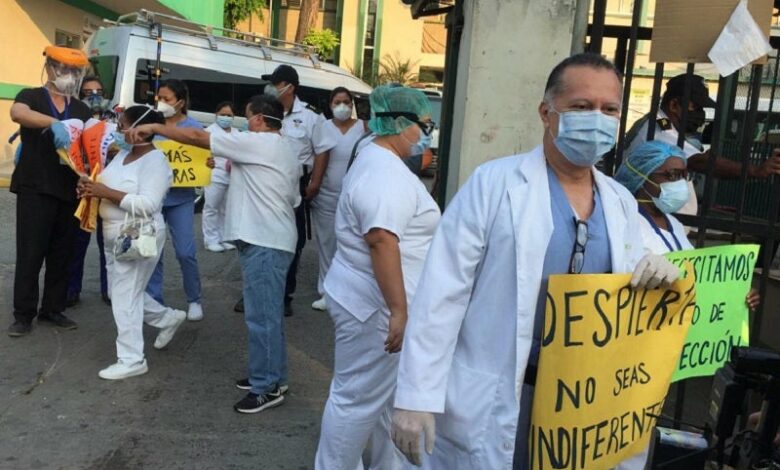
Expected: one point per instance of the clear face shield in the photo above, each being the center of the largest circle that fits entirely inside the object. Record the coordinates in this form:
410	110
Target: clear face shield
65	78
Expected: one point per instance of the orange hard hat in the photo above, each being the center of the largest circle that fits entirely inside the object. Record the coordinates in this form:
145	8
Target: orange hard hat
66	56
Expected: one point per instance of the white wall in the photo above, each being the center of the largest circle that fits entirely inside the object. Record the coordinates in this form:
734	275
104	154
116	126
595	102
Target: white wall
507	50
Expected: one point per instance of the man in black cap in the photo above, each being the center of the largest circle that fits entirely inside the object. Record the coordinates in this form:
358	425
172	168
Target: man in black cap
303	126
669	124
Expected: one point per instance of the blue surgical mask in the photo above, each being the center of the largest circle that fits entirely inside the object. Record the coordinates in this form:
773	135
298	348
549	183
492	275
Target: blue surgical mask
423	144
585	136
119	140
674	195
224	121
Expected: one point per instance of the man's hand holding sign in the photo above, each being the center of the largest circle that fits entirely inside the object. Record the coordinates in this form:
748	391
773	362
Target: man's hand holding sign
607	358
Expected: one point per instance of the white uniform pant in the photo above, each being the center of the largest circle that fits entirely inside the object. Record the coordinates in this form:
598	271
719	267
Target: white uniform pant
214	210
131	305
361	396
323	213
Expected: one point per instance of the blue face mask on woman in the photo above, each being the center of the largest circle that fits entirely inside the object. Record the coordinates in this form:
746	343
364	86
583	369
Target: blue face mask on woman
119	140
585	136
674	195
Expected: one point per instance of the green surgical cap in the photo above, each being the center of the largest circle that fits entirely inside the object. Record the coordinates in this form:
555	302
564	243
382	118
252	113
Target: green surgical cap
396	98
643	160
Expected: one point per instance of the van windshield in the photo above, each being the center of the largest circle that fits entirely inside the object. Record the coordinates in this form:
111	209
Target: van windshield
104	67
207	87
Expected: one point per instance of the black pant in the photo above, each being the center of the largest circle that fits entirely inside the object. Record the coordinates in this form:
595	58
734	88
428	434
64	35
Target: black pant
45	228
300	224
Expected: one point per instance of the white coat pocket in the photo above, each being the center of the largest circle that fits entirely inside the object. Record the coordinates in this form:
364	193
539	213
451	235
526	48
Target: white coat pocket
471	395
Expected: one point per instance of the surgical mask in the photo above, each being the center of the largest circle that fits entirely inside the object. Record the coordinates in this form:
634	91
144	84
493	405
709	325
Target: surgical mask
119	140
585	136
422	144
674	195
273	92
342	112
224	121
167	110
67	84
695	120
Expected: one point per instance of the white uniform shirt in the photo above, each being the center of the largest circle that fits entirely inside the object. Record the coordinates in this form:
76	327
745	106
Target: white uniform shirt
339	156
668	135
305	128
379	192
655	244
263	188
219	174
146	182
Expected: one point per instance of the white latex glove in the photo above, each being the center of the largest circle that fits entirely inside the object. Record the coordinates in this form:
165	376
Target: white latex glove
653	271
407	428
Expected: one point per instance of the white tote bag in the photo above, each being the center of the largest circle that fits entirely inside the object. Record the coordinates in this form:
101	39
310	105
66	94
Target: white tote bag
137	237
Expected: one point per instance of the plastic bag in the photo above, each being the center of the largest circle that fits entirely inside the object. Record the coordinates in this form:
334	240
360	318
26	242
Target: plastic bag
137	238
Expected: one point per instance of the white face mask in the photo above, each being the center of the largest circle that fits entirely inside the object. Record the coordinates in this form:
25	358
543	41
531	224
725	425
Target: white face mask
166	109
66	84
342	112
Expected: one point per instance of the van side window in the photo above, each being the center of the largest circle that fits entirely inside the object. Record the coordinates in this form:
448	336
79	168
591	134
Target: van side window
207	87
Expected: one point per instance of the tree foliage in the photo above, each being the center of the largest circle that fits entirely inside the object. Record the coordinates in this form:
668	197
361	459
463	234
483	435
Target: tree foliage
237	11
324	41
395	69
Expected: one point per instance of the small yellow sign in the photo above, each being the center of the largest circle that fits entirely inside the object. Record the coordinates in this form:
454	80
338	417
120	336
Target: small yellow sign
187	162
607	358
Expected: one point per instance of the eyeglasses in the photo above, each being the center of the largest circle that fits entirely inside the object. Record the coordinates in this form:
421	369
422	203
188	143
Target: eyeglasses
427	127
673	175
577	260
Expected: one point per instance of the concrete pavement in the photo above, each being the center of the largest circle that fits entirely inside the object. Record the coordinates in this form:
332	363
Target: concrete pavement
55	413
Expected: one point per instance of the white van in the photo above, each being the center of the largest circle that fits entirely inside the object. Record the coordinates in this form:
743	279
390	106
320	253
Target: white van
216	68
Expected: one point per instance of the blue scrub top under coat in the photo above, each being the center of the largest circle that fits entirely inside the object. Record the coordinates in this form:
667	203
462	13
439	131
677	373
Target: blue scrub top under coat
598	256
177	196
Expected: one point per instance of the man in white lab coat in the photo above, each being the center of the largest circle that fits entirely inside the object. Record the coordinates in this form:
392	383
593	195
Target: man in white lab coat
467	370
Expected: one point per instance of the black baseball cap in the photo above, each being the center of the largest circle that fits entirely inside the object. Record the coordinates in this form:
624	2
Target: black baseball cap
700	94
282	73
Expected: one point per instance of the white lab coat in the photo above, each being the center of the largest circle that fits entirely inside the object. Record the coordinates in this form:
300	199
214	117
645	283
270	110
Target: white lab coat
470	325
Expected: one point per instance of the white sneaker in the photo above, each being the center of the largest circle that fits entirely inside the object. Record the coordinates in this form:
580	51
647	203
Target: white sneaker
121	370
319	304
195	312
228	246
215	247
166	333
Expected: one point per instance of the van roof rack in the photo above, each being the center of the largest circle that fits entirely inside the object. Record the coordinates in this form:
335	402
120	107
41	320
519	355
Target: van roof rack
174	23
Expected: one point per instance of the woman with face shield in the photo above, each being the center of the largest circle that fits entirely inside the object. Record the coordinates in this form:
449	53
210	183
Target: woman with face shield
45	191
134	184
385	220
179	207
345	131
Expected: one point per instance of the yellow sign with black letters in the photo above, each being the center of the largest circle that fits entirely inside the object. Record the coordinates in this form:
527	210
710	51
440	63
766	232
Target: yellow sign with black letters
607	358
187	162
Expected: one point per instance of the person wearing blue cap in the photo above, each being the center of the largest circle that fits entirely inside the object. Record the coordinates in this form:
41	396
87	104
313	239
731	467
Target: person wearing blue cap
657	175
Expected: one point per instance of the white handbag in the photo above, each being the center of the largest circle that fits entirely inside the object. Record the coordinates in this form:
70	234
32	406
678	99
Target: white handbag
137	237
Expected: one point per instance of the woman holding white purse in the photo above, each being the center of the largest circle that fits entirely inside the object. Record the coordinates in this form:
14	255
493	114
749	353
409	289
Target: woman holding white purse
132	188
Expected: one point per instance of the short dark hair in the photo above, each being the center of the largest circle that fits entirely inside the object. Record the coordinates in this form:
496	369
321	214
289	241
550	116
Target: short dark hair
92	78
223	104
267	106
555	84
134	113
340	89
180	91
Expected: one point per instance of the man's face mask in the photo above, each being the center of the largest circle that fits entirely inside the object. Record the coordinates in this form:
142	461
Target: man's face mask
695	120
585	136
65	79
96	102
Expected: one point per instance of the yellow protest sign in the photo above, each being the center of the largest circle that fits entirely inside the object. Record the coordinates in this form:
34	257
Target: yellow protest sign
187	162
607	358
